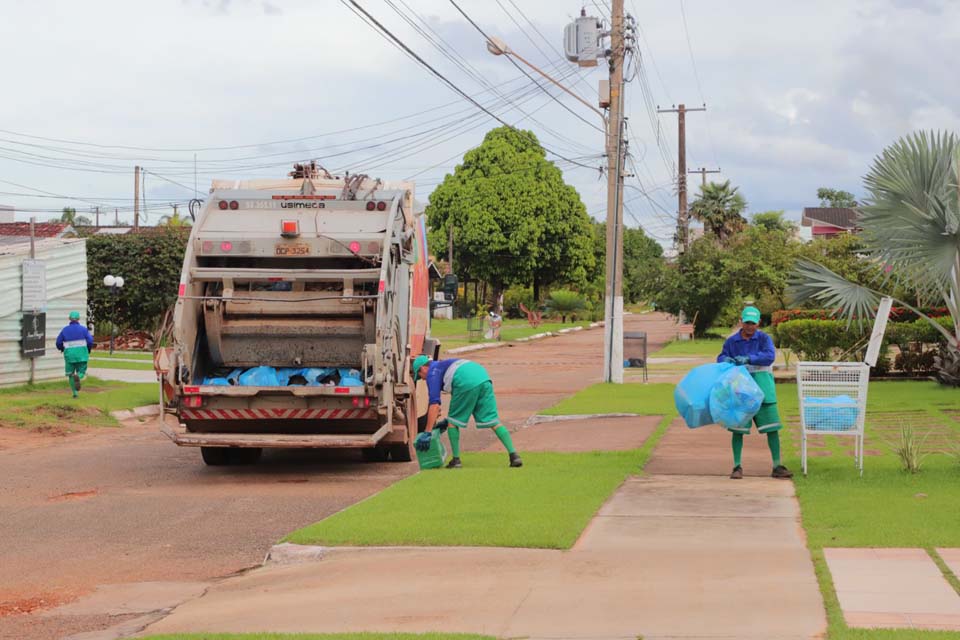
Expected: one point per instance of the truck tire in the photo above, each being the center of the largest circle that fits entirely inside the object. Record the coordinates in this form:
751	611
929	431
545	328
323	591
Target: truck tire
401	452
379	453
245	455
215	456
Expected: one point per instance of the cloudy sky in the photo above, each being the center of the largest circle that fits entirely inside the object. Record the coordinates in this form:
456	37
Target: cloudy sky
799	95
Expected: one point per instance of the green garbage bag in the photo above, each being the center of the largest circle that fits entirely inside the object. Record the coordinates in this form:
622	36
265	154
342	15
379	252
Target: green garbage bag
435	456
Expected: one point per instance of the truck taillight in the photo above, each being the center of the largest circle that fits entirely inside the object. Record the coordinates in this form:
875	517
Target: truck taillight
226	246
207	246
381	206
361	402
354	247
234	205
289	228
371	205
222	205
193	402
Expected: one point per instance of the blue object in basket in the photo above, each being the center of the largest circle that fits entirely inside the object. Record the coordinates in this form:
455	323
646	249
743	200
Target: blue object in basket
735	398
838	413
259	377
692	395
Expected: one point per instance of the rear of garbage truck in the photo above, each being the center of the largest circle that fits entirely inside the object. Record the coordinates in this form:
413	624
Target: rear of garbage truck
300	305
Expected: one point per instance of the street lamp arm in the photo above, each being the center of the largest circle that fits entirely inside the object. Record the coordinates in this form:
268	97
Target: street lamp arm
499	48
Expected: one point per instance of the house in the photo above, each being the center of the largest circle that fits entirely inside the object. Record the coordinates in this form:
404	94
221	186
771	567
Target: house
827	222
40	230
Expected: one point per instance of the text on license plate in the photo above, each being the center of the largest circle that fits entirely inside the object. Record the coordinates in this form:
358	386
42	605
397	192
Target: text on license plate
292	250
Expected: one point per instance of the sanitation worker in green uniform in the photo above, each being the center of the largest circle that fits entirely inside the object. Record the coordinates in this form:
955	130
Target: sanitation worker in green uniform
75	342
471	394
753	348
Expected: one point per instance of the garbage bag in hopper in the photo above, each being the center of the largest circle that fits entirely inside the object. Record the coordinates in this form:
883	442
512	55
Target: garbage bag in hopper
259	377
350	378
838	413
216	382
735	398
692	395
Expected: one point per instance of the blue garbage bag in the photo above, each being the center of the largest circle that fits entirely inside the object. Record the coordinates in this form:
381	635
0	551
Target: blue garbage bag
735	398
285	373
692	395
216	382
831	417
234	376
313	375
350	378
259	377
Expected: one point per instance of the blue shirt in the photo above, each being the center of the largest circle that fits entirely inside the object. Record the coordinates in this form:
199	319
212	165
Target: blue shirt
759	349
440	377
74	331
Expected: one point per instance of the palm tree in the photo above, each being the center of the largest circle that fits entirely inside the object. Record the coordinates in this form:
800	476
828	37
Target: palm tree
911	225
70	216
720	209
174	220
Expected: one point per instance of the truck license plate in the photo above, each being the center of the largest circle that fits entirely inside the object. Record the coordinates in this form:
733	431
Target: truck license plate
292	250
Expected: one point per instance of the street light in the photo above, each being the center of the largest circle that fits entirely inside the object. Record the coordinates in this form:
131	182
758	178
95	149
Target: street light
114	283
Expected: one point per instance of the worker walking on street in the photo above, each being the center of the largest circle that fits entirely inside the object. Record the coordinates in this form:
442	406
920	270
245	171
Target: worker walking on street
471	392
75	342
753	348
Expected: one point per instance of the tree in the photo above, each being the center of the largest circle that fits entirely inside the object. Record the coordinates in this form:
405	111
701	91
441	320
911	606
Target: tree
720	207
641	253
911	226
759	262
836	198
174	220
698	283
70	216
564	302
515	220
772	221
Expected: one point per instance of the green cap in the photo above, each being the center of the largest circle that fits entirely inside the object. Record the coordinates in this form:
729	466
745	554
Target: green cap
74	315
751	314
418	362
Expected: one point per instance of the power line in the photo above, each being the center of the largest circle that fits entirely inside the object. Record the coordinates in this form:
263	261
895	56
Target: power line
696	75
439	75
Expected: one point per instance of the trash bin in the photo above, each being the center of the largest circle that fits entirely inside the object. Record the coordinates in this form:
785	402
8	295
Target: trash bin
635	350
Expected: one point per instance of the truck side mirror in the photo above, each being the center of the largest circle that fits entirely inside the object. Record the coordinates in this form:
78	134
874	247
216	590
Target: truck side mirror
450	286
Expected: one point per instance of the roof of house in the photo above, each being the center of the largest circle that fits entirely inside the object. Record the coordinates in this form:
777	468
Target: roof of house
41	229
840	217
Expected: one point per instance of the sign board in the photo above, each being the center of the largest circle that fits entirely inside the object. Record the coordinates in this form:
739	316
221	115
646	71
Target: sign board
33	335
34	286
879	328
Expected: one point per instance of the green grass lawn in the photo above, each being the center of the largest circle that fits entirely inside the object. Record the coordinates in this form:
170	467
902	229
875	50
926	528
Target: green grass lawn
319	636
887	507
101	354
654	399
702	348
113	363
49	405
545	504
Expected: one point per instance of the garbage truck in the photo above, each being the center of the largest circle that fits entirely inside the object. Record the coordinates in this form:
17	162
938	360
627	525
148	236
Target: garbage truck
300	305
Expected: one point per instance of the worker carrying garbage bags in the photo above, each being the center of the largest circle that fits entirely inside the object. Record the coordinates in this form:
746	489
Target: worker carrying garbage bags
737	391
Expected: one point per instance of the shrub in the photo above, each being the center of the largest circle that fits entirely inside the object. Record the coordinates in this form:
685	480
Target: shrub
514	297
910	448
816	340
564	302
150	264
897	314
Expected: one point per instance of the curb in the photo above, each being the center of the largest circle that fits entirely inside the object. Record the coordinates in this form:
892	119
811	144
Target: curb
536	336
541	418
137	412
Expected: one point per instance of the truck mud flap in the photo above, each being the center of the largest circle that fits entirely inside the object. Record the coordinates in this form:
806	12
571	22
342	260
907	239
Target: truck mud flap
180	436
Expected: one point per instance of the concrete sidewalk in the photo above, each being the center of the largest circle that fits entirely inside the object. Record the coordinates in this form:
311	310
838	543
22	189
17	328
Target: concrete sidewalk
679	556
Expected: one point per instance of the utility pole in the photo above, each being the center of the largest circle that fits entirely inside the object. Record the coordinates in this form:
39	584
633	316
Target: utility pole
116	217
703	173
613	300
97	218
683	220
175	213
136	198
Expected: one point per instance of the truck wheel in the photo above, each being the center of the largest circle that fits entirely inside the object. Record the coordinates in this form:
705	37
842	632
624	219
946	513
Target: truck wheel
376	454
401	452
245	455
215	456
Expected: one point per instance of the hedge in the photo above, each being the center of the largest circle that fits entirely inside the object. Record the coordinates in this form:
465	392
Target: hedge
897	314
150	265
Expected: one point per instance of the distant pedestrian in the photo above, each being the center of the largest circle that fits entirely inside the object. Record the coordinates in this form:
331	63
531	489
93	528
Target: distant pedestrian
754	349
471	392
75	342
